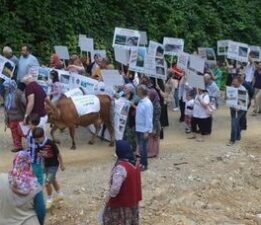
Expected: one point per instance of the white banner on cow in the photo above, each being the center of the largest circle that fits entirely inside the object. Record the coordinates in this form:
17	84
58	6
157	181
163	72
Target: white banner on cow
137	59
208	54
112	78
194	80
222	46
122	55
126	38
155	65
237	98
183	60
255	53
197	63
238	51
62	51
7	68
173	46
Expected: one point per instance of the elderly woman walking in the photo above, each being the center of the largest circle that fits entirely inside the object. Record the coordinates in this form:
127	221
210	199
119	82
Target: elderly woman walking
18	190
122	204
14	102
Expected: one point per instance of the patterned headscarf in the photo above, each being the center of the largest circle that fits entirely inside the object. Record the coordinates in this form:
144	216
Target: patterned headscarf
10	87
22	180
124	151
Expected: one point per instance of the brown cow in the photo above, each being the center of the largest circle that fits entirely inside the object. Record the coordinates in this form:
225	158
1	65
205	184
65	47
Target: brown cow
64	115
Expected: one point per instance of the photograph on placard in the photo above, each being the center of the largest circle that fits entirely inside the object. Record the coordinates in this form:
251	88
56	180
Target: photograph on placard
210	53
160	70
64	78
159	51
141	57
242	99
7	68
126	37
243	51
255	53
222	47
173	46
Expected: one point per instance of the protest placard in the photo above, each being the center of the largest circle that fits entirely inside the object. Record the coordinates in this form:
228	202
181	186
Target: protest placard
197	63
102	53
86	44
238	51
62	51
89	85
81	39
194	80
183	60
155	65
7	68
112	78
208	54
122	55
222	46
137	59
143	38
41	76
126	38
255	53
173	46
237	98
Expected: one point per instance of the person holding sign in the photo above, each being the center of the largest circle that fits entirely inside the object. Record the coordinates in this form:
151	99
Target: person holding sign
236	114
257	86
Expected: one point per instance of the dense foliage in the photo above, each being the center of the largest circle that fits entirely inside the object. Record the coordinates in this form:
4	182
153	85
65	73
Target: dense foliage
200	22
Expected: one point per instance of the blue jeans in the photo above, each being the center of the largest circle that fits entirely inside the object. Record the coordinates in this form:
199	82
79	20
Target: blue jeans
176	98
142	143
236	116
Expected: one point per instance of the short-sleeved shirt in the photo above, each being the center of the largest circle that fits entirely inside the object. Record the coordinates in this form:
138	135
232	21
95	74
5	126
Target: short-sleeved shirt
257	79
39	97
51	153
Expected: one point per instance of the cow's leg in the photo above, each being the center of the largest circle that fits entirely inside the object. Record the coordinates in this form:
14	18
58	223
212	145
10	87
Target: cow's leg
72	134
53	129
97	126
111	132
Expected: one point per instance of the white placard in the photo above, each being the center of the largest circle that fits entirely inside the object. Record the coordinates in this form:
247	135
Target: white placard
86	104
62	51
112	78
89	85
238	51
155	64
143	38
222	46
7	68
173	46
183	60
86	44
237	98
137	59
102	53
255	53
208	54
197	63
41	76
194	80
126	38
122	55
81	39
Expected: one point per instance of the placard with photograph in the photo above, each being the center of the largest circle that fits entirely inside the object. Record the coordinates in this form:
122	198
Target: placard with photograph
222	46
238	51
7	68
137	59
197	63
208	54
126	38
173	46
255	53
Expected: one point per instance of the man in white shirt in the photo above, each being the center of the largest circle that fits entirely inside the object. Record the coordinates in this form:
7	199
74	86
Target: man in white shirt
144	124
249	71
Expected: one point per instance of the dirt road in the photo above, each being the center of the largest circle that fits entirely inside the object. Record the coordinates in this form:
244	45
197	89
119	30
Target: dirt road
190	183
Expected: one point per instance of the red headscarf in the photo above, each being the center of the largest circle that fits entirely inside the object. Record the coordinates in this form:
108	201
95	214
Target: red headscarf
56	62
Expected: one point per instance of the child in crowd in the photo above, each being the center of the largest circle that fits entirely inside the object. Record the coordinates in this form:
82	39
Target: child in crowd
189	111
33	121
56	89
52	160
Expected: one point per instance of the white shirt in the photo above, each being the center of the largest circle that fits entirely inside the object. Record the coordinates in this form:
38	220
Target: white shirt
189	107
249	72
199	110
144	116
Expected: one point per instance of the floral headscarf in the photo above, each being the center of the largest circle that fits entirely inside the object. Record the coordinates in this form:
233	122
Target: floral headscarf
10	87
22	180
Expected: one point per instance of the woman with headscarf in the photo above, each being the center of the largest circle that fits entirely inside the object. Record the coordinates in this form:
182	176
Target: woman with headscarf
18	190
130	134
55	62
154	138
122	203
14	102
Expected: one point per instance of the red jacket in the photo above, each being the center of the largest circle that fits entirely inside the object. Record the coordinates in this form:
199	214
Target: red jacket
130	192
